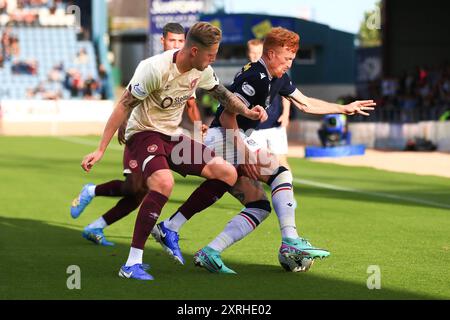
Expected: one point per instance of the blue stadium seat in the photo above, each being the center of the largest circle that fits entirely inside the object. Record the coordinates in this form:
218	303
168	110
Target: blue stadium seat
49	46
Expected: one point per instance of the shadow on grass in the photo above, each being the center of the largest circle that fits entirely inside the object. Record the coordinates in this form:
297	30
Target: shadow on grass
38	254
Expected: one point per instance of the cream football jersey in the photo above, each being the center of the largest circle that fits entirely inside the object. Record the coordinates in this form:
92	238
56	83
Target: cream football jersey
164	92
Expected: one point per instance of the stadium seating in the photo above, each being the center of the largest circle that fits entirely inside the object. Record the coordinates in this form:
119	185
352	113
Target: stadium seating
49	47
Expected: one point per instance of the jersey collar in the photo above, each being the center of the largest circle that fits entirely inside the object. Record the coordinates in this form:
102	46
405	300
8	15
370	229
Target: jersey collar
265	66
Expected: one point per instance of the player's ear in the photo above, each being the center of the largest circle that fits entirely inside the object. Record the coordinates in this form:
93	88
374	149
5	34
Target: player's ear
194	51
162	41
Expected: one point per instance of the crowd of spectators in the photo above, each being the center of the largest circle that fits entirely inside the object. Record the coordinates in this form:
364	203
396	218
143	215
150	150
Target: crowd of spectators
421	94
26	12
88	88
70	79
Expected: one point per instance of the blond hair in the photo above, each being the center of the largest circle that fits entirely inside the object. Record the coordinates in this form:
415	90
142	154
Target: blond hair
254	43
203	34
280	37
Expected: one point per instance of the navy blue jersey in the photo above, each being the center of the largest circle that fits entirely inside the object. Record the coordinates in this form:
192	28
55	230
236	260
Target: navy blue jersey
274	112
255	86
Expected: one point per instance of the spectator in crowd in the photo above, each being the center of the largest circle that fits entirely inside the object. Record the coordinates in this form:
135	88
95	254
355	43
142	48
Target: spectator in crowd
90	90
56	73
82	57
25	67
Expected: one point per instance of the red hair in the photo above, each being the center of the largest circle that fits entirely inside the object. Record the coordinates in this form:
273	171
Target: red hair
281	37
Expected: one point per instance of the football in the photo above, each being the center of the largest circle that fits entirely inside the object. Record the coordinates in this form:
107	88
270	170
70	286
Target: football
292	265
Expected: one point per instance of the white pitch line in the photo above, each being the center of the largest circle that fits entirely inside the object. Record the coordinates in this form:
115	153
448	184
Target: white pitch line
371	193
300	181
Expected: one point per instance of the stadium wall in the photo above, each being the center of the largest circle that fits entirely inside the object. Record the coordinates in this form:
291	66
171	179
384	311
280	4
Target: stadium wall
386	136
53	118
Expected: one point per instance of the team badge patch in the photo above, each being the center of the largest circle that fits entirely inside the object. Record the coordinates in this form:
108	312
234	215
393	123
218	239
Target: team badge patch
167	102
248	89
133	164
194	83
152	148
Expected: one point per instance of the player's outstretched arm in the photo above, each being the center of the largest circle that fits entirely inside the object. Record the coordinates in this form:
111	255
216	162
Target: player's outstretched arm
235	105
317	106
118	116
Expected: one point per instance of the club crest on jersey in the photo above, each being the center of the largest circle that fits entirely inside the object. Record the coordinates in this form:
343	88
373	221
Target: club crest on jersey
247	66
167	102
152	148
133	164
194	83
248	89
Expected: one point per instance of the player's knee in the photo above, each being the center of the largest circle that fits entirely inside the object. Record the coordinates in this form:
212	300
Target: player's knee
222	171
161	181
230	174
282	175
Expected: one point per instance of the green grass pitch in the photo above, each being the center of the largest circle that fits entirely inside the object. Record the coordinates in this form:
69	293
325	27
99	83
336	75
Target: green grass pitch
399	222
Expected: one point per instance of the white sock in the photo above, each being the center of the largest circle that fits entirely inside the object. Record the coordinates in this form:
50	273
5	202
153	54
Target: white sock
238	228
284	204
134	257
91	190
100	223
176	222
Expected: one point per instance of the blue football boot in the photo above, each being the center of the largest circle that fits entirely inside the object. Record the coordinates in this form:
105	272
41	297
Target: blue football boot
136	271
96	236
168	239
81	202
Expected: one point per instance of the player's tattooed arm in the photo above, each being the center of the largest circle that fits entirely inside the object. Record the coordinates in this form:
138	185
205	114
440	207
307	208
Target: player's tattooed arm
119	115
129	102
235	105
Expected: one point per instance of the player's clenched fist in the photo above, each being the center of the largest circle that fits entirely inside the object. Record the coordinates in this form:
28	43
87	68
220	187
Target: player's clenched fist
259	113
89	160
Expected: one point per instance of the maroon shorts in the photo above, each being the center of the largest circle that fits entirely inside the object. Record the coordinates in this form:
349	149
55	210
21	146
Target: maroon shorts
150	151
129	163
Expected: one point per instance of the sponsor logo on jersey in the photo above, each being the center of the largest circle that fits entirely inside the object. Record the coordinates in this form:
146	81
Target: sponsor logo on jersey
167	102
182	100
262	75
152	148
247	66
248	89
137	88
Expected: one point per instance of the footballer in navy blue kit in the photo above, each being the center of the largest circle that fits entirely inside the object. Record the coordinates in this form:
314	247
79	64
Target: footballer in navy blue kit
271	134
257	85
